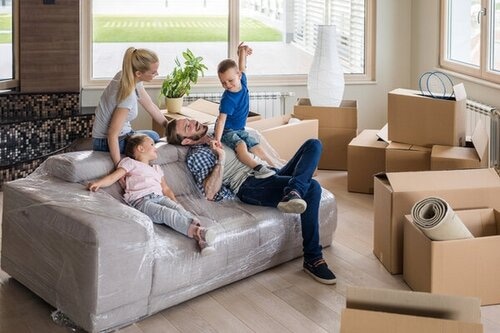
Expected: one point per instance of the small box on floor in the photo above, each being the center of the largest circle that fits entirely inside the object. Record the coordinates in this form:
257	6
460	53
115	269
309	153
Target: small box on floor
450	158
337	127
404	157
365	158
463	267
395	311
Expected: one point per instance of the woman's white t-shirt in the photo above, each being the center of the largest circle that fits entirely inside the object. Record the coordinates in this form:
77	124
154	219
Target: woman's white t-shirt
107	105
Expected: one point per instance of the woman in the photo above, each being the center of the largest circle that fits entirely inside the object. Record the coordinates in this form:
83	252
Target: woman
118	104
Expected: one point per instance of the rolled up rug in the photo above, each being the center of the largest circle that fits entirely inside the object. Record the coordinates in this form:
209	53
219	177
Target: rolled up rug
438	221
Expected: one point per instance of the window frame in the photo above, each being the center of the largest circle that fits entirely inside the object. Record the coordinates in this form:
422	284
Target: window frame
482	72
13	83
257	80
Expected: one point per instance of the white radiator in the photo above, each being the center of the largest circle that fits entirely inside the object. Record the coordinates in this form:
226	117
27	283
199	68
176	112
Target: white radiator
267	104
477	111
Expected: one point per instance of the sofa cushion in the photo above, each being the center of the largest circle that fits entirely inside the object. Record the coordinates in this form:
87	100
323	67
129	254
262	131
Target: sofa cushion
79	166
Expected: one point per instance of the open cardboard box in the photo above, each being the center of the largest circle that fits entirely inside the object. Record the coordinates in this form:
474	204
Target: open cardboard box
449	158
337	127
285	137
395	194
465	267
365	158
426	121
395	311
204	111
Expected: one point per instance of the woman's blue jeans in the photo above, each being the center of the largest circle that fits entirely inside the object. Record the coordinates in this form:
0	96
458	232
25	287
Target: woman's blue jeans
102	144
295	175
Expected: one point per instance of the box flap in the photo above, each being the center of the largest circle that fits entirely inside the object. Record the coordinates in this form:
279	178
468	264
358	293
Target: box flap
459	91
205	106
368	138
405	146
443	180
466	309
383	134
480	140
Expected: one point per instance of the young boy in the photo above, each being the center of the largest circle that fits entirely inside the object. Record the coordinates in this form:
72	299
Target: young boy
233	113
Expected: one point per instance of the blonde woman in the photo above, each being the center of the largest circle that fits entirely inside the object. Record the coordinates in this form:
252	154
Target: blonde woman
118	104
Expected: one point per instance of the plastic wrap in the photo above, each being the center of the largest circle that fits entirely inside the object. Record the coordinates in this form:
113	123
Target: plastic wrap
102	264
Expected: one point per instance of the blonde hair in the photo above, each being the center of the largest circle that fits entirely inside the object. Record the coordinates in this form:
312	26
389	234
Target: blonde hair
134	60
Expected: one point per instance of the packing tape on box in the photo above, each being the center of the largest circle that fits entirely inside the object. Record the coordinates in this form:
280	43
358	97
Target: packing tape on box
438	221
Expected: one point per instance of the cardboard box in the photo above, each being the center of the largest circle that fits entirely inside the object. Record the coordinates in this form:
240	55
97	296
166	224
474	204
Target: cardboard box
404	157
425	121
286	138
395	194
337	127
365	158
465	267
395	311
204	111
449	158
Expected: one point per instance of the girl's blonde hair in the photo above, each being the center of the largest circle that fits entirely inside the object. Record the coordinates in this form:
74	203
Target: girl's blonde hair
134	60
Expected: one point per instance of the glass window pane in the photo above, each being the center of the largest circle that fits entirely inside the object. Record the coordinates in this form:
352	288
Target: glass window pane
167	27
496	37
268	28
464	34
6	45
282	33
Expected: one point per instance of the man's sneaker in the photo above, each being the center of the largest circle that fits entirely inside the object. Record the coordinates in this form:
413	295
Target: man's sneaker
292	203
320	272
261	171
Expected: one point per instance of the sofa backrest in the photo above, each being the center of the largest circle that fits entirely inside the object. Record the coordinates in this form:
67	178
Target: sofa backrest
87	165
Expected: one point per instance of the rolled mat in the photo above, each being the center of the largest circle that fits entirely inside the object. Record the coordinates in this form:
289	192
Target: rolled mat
438	221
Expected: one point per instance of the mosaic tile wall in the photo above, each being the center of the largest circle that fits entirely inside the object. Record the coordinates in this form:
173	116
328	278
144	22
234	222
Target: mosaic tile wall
35	126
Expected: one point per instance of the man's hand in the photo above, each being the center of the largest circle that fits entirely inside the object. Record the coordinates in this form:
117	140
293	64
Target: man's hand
216	146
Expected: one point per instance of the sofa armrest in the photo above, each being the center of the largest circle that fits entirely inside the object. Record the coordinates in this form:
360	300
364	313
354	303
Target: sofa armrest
85	253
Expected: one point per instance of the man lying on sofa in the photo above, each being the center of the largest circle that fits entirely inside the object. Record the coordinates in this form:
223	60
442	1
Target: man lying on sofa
218	174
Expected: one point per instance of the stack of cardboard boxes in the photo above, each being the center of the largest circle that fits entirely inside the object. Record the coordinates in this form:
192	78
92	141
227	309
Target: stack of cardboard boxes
423	133
426	156
337	127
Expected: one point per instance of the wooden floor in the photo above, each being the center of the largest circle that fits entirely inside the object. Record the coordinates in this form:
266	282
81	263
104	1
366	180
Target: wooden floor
283	299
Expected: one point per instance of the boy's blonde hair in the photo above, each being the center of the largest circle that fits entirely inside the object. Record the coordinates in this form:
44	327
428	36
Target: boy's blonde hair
134	60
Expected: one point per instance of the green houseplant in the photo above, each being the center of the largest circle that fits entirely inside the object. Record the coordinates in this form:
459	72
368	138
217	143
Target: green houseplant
178	82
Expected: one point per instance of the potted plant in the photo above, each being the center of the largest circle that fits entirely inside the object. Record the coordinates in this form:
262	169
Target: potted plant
178	82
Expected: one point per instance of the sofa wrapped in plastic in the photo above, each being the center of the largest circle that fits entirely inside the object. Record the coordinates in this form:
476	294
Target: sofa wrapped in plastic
104	264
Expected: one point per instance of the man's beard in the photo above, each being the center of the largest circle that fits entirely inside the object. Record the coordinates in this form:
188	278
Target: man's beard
197	137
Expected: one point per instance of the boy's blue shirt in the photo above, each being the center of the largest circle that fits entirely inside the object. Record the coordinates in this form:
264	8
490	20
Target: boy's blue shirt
236	106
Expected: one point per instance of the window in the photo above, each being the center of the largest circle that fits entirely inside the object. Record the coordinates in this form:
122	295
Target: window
282	34
471	38
8	44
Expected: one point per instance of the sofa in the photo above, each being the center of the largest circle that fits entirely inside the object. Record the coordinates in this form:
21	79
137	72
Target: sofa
104	265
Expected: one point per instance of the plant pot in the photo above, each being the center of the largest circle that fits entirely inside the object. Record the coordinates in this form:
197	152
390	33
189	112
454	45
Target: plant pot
174	105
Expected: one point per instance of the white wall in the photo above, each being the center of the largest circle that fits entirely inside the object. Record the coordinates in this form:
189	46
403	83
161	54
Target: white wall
393	68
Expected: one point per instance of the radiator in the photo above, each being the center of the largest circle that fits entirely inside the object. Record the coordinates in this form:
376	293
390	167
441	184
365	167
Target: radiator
267	104
490	116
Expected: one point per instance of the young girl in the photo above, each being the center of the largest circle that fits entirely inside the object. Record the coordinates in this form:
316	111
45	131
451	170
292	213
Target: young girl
118	104
147	191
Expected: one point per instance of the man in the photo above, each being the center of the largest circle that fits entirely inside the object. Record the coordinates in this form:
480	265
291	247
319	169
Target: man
218	174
